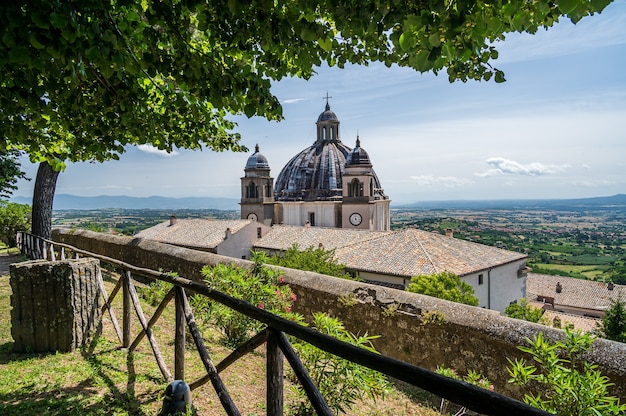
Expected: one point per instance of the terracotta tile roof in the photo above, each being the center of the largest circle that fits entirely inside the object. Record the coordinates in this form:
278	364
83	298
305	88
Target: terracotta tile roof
195	232
582	323
401	253
281	237
578	293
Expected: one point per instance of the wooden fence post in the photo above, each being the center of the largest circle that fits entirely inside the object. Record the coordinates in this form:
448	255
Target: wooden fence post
274	370
179	335
126	304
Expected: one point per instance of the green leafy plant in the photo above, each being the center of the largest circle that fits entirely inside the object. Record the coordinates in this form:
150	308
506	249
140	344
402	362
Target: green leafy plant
523	310
154	292
13	218
613	325
312	259
260	286
560	381
444	285
472	377
341	382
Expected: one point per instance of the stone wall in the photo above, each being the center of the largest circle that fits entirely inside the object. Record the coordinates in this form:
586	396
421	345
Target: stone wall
55	304
422	330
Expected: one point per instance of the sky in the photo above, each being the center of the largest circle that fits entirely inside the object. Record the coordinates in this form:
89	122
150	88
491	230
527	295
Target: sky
555	129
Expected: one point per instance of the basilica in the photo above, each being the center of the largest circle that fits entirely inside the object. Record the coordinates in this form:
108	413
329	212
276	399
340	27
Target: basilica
328	184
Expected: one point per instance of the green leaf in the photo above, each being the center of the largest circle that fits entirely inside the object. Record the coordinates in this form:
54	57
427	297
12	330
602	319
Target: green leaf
325	44
32	37
568	6
58	21
407	41
599	5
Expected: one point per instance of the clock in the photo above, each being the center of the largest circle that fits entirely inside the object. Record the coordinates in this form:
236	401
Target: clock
355	219
252	216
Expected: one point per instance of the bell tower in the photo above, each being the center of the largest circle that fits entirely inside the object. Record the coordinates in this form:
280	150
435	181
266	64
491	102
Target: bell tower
364	205
257	190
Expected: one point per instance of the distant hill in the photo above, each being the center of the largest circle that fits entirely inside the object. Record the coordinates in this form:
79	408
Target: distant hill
604	202
64	202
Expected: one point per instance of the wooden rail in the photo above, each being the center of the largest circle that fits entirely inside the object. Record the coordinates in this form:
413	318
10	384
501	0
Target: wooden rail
277	345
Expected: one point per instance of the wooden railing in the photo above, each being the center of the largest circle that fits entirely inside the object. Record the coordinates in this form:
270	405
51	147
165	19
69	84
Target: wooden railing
277	345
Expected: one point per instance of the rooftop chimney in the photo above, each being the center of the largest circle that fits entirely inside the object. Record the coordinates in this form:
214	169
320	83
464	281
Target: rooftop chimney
449	232
172	220
227	234
559	288
610	286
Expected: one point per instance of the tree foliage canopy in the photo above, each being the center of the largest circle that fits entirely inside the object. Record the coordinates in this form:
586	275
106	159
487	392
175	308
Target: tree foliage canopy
10	172
83	79
13	218
445	285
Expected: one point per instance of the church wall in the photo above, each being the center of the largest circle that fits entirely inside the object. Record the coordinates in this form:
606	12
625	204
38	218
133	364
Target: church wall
419	329
298	213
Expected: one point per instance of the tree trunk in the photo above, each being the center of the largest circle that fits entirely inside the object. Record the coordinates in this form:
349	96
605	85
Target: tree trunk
43	196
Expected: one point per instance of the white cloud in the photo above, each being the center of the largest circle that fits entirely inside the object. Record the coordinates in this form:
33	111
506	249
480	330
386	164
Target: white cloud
148	148
593	183
502	166
293	100
445	181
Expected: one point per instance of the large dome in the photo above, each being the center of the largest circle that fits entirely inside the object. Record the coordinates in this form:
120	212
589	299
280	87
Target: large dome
314	174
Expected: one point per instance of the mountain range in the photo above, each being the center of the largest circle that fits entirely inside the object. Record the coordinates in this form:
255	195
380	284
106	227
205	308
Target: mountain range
68	202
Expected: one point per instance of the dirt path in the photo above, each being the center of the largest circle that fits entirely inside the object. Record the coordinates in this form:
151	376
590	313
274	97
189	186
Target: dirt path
6	260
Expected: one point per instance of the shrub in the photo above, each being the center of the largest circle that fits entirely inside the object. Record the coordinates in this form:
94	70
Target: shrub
523	311
560	381
13	218
260	286
444	285
341	382
613	324
311	259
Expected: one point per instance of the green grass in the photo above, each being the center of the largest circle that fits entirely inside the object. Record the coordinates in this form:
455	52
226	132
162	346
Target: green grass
112	382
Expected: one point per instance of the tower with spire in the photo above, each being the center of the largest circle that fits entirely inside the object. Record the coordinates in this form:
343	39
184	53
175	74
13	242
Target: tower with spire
257	189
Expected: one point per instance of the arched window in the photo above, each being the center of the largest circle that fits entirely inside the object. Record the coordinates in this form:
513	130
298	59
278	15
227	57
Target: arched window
355	188
252	191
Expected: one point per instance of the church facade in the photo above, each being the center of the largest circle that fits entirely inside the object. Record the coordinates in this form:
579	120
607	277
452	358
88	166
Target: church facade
327	184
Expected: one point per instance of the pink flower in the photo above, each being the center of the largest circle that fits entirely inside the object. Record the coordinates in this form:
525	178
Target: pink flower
281	279
491	387
261	305
288	309
293	297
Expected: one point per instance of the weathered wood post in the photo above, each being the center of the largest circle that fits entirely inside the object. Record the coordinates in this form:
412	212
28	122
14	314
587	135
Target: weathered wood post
274	369
179	336
56	305
126	305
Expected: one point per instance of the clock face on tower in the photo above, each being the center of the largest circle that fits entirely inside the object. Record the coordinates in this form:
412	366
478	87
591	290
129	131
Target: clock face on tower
252	216
355	219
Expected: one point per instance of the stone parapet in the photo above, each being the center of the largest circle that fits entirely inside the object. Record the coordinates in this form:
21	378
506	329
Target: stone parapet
418	329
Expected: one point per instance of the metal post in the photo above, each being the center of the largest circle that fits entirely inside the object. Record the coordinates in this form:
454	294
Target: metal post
177	398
